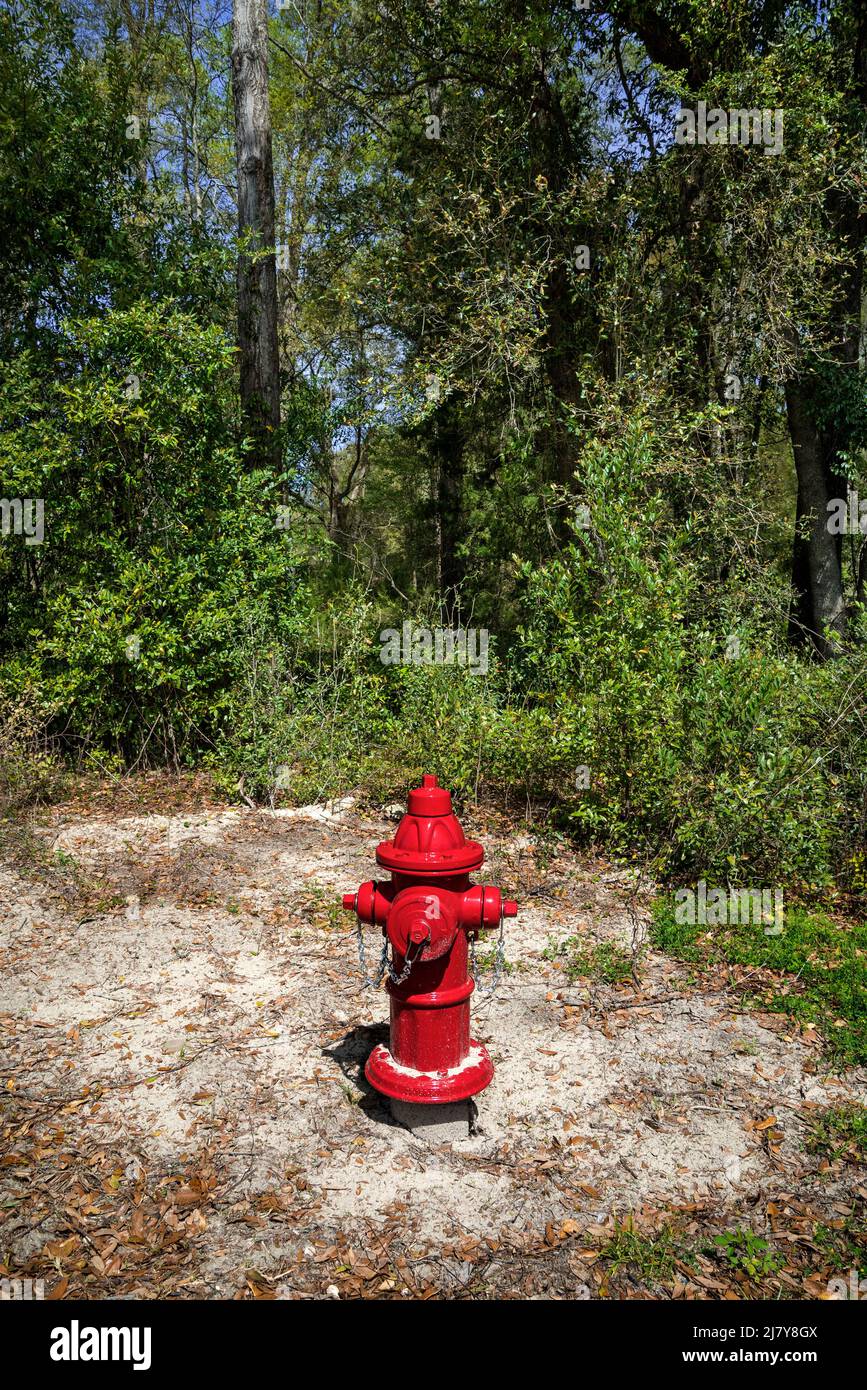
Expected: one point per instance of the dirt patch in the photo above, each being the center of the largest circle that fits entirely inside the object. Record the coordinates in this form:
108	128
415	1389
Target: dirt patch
185	1112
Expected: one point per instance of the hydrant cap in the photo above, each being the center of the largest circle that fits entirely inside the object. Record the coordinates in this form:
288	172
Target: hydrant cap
429	839
430	799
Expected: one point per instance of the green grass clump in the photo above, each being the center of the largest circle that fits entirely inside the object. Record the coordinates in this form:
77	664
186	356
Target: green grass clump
840	1132
605	961
653	1256
815	970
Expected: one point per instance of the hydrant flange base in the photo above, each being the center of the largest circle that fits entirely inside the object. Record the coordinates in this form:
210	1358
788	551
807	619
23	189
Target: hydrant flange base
473	1074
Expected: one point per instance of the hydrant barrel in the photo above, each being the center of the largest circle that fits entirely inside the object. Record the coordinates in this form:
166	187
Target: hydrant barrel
429	911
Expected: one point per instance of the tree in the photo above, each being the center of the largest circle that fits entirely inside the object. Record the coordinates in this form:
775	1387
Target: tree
257	269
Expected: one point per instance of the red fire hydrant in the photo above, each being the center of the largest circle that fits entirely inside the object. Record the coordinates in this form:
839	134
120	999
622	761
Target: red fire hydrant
429	912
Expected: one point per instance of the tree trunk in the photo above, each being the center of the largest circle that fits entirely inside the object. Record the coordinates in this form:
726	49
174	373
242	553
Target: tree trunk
818	613
448	444
344	496
817	564
257	270
551	159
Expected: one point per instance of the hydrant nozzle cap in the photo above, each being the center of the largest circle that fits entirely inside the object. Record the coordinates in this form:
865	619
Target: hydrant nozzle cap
430	799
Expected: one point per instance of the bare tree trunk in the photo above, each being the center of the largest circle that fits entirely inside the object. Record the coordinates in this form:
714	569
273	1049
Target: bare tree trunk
448	445
817	568
344	497
257	269
551	157
819	611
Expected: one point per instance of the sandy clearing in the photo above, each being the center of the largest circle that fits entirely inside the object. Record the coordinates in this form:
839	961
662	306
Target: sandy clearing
218	1007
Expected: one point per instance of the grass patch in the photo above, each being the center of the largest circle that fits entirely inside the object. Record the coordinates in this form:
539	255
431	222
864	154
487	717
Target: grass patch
323	910
843	1244
653	1256
815	970
59	873
605	961
486	963
840	1132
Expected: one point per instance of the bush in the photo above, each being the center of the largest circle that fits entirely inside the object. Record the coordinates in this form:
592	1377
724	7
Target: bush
708	743
322	714
656	708
160	547
30	771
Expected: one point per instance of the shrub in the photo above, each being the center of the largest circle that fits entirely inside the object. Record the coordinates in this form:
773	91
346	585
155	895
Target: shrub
30	771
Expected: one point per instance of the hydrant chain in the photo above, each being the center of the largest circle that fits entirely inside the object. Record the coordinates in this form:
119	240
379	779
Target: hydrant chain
384	963
409	962
368	980
488	991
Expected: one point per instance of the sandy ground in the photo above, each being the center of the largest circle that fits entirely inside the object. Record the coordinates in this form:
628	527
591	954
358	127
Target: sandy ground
185	1113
